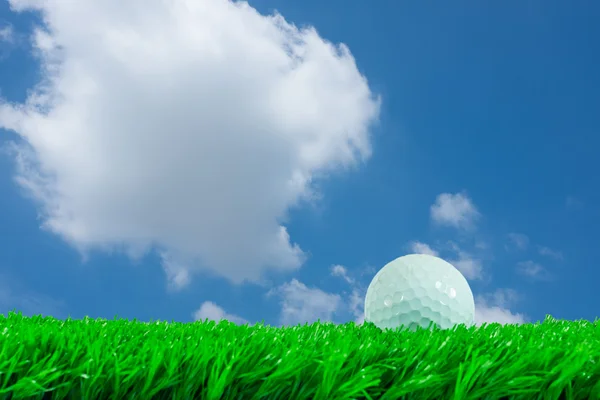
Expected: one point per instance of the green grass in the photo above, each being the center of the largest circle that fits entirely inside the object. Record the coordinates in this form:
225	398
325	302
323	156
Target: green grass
101	359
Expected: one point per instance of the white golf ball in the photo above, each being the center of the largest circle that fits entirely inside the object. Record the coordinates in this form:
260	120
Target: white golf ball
418	289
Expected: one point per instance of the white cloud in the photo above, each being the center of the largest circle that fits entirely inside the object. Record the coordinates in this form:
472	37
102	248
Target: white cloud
342	272
490	314
455	210
9	40
211	311
422	248
481	245
518	240
356	303
533	270
301	304
6	34
189	127
548	252
470	266
177	275
494	307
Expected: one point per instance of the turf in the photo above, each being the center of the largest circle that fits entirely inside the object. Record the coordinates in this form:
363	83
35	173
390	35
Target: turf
100	359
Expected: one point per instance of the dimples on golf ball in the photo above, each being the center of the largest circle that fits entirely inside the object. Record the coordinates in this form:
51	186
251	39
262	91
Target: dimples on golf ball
417	289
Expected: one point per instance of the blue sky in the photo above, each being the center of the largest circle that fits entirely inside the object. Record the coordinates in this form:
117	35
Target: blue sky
179	161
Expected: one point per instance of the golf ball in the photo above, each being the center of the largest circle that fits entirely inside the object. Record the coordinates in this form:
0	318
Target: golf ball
418	289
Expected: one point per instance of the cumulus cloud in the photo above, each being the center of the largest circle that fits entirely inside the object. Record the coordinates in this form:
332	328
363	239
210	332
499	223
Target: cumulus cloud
533	270
422	248
342	272
468	264
211	311
177	274
301	304
455	210
9	40
353	301
548	252
356	303
494	307
6	34
518	240
183	126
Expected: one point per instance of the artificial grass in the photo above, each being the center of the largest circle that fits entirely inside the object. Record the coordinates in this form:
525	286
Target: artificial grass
46	358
